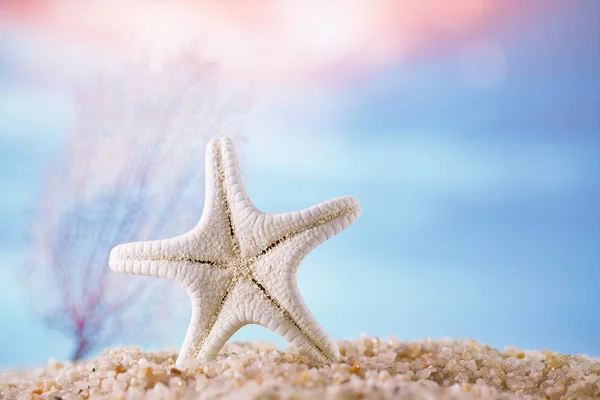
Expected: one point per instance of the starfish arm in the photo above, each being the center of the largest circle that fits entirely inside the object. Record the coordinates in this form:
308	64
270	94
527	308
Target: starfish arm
235	198
208	290
159	258
294	323
225	321
216	224
144	258
249	303
331	216
275	266
238	199
280	285
208	241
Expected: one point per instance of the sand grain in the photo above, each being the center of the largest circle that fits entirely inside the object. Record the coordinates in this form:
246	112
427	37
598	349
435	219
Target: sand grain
370	368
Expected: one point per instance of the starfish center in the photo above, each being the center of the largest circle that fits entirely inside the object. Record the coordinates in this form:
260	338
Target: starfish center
240	267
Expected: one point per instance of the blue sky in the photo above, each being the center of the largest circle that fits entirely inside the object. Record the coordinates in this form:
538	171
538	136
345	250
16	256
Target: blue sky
481	214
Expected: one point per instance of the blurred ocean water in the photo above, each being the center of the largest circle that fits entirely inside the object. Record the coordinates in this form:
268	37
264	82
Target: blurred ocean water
475	159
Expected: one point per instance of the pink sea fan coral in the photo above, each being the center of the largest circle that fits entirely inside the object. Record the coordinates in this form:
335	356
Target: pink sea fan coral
130	169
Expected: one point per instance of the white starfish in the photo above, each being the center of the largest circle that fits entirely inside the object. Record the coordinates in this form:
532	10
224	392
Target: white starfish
238	264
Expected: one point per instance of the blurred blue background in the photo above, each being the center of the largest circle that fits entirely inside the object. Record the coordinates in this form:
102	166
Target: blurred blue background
476	162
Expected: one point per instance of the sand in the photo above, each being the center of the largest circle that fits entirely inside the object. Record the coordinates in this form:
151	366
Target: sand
370	368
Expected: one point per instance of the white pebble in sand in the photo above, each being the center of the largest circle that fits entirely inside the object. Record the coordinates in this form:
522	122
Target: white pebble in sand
370	368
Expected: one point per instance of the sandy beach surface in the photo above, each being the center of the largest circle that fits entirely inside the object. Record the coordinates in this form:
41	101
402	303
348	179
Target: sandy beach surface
371	368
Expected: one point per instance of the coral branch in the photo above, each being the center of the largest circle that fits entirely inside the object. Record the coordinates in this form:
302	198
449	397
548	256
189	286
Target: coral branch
128	165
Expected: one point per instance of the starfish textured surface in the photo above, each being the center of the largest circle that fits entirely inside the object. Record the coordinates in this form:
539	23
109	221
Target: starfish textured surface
238	264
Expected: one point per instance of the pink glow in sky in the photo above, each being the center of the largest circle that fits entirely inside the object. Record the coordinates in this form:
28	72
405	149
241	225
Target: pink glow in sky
261	40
